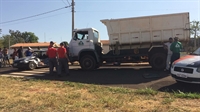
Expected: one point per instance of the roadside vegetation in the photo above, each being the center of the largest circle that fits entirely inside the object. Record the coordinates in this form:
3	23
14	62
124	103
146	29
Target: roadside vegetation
18	94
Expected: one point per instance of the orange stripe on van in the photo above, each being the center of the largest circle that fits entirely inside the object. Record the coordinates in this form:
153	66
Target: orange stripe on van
183	58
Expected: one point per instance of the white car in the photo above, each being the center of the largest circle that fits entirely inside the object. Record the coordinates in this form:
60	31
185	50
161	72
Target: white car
187	68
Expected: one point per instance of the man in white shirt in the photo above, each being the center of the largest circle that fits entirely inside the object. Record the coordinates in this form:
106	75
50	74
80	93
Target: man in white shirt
169	53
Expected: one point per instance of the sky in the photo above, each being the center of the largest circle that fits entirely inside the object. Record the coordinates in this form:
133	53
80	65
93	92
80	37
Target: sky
57	26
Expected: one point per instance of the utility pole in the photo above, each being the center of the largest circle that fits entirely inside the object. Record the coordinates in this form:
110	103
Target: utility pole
72	16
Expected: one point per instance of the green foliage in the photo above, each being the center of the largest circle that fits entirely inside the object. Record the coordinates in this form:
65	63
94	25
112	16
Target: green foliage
26	37
65	42
146	91
17	37
181	94
1	43
194	25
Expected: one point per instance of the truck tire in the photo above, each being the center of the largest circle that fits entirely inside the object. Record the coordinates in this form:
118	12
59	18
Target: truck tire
158	61
31	65
88	62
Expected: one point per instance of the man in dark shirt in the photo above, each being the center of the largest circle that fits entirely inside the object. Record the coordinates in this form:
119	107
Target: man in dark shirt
20	52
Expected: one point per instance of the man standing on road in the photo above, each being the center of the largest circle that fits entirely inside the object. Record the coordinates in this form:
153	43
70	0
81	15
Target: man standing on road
52	54
14	54
175	47
169	53
20	52
5	54
28	52
63	60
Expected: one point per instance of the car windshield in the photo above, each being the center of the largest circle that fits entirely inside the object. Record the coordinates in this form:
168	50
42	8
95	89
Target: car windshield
197	52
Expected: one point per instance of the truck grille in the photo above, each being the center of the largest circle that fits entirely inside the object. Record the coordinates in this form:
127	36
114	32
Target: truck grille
184	70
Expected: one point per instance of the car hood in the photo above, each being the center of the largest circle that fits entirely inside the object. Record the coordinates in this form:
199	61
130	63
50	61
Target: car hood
25	58
188	61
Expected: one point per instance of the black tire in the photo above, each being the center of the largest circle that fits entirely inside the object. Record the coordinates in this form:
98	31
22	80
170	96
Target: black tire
31	66
88	62
158	61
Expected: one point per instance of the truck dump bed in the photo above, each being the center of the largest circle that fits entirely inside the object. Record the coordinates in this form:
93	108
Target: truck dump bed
149	29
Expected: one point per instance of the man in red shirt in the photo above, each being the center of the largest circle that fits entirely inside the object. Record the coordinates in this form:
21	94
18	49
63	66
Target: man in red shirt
52	54
63	59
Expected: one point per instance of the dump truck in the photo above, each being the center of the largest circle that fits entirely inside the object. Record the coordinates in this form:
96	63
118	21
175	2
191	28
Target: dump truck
131	40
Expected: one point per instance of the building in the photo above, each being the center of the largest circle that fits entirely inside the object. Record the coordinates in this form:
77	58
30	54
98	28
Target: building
44	46
34	46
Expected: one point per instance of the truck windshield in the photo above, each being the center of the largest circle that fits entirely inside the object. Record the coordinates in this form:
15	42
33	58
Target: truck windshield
81	35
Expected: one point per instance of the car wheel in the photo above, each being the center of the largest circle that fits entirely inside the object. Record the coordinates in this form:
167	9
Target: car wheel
31	65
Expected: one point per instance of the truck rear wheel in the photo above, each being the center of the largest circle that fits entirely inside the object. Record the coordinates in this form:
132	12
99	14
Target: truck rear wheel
158	61
88	62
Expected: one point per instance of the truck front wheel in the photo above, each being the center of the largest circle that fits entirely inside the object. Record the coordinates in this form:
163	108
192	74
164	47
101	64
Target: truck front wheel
88	62
158	61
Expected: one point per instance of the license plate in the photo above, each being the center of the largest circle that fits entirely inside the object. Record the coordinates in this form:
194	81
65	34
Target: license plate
182	75
15	64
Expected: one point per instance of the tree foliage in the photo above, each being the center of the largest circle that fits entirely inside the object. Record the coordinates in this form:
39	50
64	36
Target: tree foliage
65	42
195	31
17	37
23	37
195	25
1	43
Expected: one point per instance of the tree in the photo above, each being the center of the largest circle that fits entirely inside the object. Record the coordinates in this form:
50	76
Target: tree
65	42
6	39
195	30
1	43
24	37
17	37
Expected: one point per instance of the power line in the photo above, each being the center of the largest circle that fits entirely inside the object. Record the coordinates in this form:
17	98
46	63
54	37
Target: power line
34	15
36	19
68	2
63	2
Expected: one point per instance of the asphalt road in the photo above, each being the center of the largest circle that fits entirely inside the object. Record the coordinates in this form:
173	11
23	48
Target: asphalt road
129	76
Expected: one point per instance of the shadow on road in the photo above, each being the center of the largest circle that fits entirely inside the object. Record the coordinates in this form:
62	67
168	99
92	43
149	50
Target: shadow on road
110	76
135	78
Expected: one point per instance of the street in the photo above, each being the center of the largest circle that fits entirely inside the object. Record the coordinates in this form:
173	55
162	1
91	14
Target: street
135	76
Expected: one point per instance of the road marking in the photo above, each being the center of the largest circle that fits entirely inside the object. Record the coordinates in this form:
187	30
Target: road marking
36	72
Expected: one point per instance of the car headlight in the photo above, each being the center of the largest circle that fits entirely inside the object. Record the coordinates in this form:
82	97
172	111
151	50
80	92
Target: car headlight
198	69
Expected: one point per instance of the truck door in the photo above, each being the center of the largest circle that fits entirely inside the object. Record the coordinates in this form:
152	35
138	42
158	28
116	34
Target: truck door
79	42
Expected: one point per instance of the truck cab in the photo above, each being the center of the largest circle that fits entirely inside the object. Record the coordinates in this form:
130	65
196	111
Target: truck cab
84	47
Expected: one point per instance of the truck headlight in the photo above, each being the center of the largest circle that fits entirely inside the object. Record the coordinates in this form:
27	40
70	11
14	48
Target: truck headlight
198	69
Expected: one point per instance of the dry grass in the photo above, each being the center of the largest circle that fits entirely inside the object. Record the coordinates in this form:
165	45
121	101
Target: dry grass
17	95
